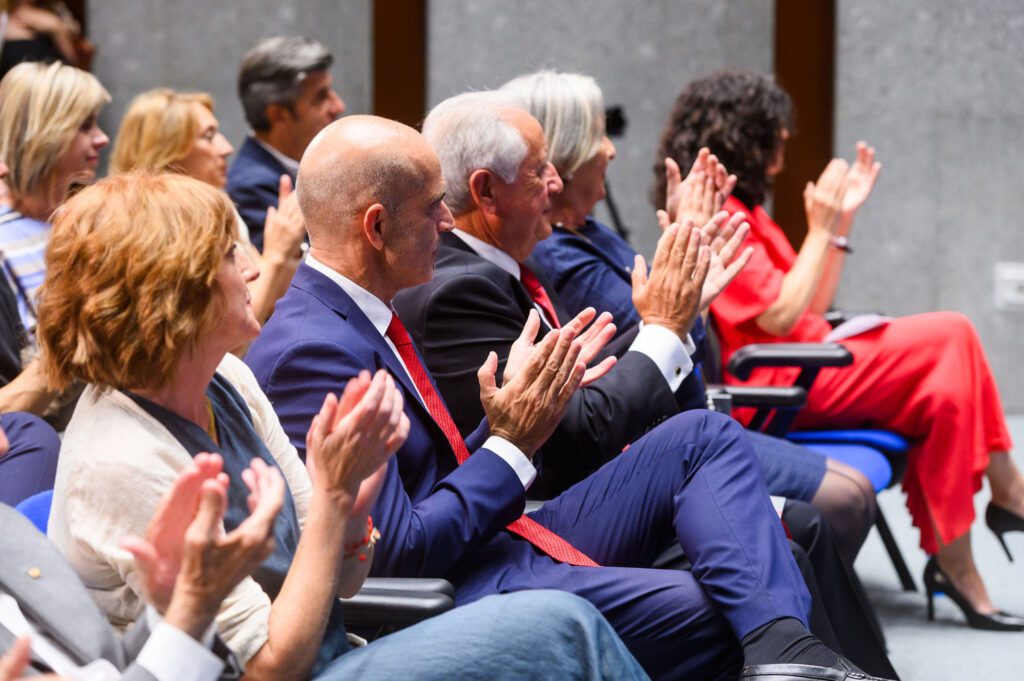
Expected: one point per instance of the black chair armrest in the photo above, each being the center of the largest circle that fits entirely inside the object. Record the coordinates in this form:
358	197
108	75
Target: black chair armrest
393	608
803	355
793	397
416	584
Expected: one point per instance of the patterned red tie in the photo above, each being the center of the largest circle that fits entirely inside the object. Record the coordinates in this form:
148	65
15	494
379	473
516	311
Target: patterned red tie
538	294
526	527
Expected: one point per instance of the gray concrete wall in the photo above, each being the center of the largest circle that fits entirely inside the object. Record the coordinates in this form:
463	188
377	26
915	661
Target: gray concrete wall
936	87
642	53
197	45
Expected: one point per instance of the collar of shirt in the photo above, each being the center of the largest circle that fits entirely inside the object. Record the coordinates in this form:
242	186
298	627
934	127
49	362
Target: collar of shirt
490	253
290	164
378	312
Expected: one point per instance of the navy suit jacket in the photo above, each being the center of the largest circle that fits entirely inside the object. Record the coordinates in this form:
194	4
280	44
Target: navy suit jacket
253	183
430	511
471	307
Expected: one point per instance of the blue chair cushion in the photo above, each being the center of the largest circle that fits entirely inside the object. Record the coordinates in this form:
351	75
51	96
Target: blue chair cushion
887	441
37	509
871	462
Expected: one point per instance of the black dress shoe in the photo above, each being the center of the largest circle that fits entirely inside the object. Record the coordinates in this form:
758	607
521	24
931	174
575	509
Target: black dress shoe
805	672
937	581
1001	521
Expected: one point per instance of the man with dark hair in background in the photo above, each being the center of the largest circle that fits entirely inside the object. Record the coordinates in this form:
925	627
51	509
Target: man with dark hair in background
287	95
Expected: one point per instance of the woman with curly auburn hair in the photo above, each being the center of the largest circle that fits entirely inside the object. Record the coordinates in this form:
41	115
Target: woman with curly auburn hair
924	376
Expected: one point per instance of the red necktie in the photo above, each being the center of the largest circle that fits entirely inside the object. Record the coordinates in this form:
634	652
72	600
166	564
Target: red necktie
526	527
538	294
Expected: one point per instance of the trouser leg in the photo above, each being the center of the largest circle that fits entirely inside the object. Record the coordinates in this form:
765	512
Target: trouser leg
30	464
530	634
696	475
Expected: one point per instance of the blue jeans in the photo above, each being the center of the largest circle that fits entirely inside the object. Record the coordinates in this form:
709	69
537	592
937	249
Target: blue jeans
525	635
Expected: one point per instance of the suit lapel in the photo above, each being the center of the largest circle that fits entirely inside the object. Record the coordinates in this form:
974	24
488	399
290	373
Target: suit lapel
333	296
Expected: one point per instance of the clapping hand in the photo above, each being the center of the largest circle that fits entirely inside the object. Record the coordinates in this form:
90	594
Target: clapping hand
350	441
284	229
701	194
592	341
527	408
824	199
671	295
725	264
15	661
187	563
860	180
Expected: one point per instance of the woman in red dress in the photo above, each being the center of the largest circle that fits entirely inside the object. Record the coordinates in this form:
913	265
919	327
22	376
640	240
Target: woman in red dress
924	376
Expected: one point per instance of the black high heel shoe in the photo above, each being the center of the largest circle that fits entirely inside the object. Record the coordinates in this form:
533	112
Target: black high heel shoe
937	581
1001	521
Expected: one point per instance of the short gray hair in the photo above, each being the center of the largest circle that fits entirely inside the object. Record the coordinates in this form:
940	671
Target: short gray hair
570	108
272	72
469	132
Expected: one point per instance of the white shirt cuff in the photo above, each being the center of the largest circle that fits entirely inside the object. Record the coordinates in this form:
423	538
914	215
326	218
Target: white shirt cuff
171	654
669	354
514	457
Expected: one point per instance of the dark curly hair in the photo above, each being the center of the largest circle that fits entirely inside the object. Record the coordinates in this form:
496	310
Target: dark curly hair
739	116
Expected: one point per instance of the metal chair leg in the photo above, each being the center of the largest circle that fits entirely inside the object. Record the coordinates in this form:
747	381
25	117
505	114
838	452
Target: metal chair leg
895	555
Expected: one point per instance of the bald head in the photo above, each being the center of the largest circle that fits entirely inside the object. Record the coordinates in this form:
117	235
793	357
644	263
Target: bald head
354	163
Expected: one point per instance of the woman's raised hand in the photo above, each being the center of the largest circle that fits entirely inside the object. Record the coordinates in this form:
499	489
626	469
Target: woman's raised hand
860	181
354	436
823	200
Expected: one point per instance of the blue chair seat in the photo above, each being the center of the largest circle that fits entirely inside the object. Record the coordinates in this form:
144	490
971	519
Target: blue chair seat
887	441
871	462
37	509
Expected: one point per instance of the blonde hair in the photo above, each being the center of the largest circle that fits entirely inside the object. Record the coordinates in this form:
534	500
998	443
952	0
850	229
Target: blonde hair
570	108
157	131
131	279
42	107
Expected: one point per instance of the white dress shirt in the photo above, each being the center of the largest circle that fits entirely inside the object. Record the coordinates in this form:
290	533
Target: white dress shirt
169	654
670	354
380	315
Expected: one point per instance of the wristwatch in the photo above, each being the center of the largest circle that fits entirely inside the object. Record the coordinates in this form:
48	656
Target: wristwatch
841	243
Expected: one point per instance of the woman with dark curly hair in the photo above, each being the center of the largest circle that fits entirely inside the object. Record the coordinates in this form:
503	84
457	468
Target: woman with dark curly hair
924	376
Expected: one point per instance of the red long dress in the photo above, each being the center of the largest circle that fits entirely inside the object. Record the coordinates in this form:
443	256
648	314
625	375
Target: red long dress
924	376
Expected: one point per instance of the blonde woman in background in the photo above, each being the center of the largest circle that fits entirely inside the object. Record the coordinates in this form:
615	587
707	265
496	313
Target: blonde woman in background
168	131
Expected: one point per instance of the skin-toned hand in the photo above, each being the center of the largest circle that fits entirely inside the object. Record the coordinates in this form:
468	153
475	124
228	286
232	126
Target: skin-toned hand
15	661
158	556
823	200
702	193
860	181
526	409
725	264
592	340
671	295
284	228
214	562
352	438
4	443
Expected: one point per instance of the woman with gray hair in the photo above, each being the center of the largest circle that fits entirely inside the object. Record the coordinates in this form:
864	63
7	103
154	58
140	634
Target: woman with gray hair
590	266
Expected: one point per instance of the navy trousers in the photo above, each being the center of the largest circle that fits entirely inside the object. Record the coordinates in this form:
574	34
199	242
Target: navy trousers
694	478
30	464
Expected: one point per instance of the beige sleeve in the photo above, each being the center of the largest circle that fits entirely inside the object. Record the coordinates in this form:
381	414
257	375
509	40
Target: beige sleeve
109	491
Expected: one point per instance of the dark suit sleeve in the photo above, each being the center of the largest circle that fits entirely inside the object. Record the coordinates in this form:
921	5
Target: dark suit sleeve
252	200
467	316
463	510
